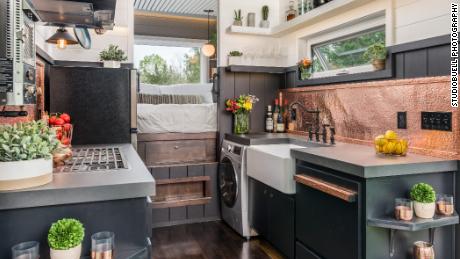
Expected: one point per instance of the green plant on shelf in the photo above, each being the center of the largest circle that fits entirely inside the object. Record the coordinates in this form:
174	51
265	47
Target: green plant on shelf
237	16
113	53
376	51
235	53
423	193
65	234
27	141
265	10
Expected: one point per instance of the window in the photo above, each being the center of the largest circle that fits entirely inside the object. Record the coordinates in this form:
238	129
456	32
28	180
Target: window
165	65
345	55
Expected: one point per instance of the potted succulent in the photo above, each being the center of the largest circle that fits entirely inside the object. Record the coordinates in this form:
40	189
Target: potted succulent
26	155
424	198
234	57
237	19
265	23
240	108
113	56
64	238
377	54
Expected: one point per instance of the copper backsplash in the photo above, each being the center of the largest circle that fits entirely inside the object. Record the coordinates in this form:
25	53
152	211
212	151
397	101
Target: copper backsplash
361	111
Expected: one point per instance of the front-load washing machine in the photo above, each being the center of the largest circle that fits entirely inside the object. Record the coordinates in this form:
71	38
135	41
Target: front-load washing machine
233	186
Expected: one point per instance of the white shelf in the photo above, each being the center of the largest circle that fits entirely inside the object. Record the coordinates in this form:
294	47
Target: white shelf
323	12
249	30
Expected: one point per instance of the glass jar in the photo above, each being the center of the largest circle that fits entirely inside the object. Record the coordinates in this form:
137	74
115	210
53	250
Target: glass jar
291	13
241	123
26	250
404	209
102	245
445	205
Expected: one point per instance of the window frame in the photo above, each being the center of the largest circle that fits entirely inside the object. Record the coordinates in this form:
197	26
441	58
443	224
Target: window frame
344	31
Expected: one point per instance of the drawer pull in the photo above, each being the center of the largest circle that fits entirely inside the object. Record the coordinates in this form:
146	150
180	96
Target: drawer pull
326	187
176	147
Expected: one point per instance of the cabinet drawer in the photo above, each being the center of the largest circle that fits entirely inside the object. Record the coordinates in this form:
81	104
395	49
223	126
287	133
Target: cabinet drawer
180	151
301	252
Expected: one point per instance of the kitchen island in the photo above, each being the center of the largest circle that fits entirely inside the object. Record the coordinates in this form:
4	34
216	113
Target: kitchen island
115	199
344	200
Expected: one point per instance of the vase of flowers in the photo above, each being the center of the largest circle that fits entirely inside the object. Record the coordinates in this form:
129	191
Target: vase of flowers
241	108
304	68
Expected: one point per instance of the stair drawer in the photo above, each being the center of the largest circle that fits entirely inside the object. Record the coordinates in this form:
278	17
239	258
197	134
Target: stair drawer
180	151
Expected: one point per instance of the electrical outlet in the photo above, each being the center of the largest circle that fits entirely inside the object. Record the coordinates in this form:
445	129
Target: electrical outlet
402	120
437	121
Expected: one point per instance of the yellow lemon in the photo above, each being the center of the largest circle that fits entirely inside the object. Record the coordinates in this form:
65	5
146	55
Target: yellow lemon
390	147
404	146
380	140
398	148
389	134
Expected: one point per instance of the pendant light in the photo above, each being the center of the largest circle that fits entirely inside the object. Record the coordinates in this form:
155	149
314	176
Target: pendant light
208	49
62	38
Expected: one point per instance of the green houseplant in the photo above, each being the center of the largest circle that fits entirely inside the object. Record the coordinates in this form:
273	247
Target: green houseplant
25	155
234	57
265	23
377	54
237	18
112	56
424	198
64	238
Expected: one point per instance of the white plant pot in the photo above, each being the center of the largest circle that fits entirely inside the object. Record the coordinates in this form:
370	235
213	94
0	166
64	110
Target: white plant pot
233	60
112	64
72	253
25	174
424	210
265	24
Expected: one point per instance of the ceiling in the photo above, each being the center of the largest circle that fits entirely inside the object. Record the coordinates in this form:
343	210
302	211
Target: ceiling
177	7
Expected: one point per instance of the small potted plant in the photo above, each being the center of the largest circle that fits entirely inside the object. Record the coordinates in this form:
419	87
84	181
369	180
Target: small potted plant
424	198
237	19
113	56
240	108
304	68
26	155
377	54
64	238
234	57
265	23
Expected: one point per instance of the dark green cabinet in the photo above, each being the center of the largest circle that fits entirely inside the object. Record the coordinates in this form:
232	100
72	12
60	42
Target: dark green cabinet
272	216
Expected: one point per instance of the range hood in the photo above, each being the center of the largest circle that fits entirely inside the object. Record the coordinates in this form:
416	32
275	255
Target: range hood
76	13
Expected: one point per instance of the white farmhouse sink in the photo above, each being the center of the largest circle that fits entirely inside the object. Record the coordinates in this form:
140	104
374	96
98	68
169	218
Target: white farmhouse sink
273	166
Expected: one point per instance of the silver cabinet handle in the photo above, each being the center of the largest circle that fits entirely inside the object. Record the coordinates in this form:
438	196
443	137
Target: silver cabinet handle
176	147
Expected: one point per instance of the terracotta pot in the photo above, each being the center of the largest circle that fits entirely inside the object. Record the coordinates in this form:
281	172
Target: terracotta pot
379	64
25	174
72	253
112	64
423	250
424	210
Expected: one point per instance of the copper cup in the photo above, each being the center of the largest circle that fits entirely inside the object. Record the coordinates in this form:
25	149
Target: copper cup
404	209
423	250
445	205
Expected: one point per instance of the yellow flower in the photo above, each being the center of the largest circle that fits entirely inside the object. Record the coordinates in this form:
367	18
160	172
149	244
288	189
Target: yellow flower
247	106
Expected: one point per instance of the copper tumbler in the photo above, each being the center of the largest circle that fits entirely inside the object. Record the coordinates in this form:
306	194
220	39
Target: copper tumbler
423	250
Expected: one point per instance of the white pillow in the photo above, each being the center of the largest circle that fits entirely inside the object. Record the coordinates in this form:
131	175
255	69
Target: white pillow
149	89
204	90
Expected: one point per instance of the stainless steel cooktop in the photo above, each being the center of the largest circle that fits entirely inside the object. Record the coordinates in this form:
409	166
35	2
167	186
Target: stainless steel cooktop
90	159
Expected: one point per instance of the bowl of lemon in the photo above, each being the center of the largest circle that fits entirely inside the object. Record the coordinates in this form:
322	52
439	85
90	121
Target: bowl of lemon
390	144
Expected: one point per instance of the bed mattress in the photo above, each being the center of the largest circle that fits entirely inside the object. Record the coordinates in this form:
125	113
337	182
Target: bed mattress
177	118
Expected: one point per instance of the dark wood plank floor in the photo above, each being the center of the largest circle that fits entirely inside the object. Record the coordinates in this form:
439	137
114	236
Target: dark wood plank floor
210	240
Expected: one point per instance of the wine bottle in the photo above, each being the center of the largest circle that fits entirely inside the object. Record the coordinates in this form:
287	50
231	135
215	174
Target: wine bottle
275	116
269	119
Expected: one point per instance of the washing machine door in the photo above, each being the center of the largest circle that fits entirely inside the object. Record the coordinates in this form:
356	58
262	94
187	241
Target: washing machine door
228	182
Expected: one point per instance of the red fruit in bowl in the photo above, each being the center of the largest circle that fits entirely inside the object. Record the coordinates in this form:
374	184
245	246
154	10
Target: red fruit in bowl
59	122
52	120
65	117
59	135
67	127
65	141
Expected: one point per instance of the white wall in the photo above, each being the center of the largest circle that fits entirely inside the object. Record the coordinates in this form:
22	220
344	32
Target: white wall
122	35
406	20
243	43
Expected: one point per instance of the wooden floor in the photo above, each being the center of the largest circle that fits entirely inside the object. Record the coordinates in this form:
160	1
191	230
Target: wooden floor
210	240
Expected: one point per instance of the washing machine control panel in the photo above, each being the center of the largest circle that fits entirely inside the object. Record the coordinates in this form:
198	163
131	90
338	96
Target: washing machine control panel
234	149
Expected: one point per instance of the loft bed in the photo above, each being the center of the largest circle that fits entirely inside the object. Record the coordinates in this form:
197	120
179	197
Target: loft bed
173	122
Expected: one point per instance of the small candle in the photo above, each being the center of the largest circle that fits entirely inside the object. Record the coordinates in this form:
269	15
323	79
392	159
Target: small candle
445	208
404	213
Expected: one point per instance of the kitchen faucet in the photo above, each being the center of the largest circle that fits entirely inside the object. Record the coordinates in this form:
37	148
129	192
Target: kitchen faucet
317	134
